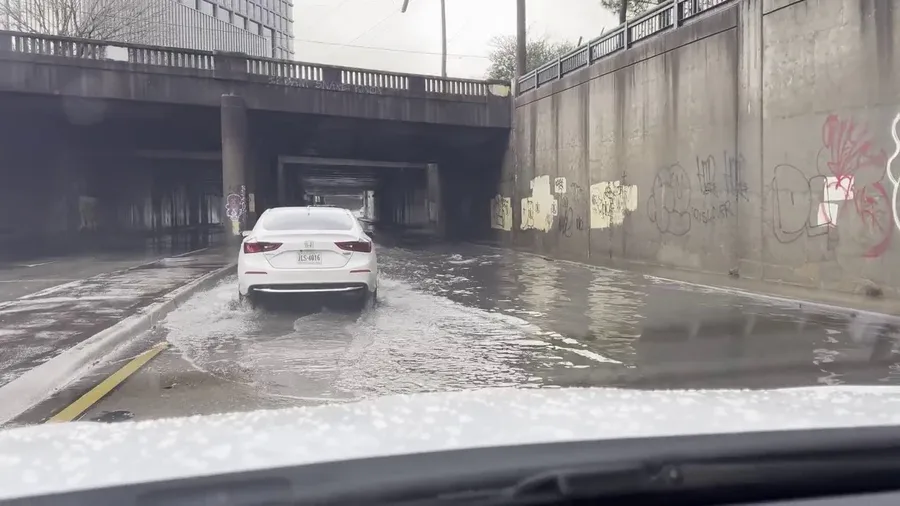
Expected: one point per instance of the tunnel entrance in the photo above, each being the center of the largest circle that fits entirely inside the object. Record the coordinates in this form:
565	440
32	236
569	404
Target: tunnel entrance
392	196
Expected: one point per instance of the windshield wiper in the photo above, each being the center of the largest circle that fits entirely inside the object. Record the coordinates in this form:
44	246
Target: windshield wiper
747	478
597	481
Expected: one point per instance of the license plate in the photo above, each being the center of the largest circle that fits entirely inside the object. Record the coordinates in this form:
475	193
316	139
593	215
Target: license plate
310	258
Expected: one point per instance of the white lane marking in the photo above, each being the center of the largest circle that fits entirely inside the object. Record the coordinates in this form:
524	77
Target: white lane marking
37	264
52	289
38	280
186	253
588	354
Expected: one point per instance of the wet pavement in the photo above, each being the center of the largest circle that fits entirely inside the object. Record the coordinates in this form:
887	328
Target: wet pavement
464	317
42	324
26	271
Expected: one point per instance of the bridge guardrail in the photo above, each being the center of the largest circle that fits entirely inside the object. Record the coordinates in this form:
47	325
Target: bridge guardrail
280	72
669	14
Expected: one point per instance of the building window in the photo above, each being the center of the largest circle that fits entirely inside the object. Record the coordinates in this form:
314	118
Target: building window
253	26
206	7
223	14
240	21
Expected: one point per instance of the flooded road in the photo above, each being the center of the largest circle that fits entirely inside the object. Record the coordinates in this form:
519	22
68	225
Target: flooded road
453	317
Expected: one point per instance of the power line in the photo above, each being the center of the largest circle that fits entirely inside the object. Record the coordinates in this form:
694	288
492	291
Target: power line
369	30
308	41
394	50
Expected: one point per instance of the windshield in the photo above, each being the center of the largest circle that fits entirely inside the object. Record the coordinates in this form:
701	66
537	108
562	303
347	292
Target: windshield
306	219
464	210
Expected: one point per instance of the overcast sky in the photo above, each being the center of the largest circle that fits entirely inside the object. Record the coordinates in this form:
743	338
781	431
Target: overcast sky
345	32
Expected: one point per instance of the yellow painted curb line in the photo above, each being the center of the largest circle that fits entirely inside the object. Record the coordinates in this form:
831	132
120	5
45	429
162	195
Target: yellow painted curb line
74	410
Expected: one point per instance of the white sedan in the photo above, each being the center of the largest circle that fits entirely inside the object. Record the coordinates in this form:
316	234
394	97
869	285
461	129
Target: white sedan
308	250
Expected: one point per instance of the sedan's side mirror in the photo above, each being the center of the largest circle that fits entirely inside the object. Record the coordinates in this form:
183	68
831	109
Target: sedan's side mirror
245	233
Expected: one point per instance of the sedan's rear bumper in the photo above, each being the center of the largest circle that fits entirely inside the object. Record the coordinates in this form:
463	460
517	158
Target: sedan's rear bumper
310	288
314	281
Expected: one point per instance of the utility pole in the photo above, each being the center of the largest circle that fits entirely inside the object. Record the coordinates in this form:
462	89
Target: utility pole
443	38
521	41
443	33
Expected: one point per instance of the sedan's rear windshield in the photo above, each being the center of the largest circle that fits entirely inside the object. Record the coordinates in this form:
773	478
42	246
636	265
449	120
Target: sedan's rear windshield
303	219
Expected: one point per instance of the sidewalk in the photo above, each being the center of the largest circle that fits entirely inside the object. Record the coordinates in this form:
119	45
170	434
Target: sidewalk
38	326
783	292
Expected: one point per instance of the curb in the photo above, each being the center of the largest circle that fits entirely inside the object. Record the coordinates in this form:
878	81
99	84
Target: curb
38	383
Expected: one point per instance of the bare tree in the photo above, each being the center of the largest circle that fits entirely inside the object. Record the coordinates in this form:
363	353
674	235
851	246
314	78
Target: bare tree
538	52
112	20
625	8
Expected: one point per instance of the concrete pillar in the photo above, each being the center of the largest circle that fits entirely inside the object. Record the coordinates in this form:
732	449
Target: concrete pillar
281	184
435	202
749	241
252	176
234	165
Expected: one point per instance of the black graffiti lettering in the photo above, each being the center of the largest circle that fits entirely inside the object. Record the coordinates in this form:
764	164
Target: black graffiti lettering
613	201
566	217
576	191
669	203
735	185
500	211
706	175
322	85
794	204
711	213
560	185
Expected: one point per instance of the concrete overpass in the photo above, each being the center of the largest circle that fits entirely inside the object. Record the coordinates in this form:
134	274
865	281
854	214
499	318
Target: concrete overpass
116	137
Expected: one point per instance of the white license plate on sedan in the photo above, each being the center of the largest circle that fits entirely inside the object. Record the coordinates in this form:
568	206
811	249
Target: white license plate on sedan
310	258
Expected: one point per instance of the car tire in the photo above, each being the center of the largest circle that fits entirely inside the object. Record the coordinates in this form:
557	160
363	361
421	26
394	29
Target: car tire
249	299
365	300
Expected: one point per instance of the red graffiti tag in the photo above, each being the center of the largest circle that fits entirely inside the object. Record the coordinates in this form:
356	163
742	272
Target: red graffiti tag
859	168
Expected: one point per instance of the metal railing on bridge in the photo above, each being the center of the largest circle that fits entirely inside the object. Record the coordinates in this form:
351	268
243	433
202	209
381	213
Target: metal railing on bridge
280	72
668	15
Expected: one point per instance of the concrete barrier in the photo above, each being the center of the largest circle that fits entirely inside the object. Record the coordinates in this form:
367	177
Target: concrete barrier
721	146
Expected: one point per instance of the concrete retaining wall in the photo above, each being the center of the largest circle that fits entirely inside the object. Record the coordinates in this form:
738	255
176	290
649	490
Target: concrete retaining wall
752	140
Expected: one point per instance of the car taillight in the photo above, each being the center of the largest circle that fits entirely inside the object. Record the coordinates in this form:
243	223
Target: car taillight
259	247
360	246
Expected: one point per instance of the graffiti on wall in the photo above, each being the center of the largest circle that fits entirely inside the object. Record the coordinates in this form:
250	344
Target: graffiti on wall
679	199
569	217
234	208
537	210
501	213
844	196
708	169
559	185
565	202
324	85
669	203
610	200
889	170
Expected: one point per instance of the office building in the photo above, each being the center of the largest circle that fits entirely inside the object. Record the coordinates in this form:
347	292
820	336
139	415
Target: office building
255	27
271	19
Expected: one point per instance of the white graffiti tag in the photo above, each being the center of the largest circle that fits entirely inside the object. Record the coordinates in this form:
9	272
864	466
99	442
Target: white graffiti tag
894	180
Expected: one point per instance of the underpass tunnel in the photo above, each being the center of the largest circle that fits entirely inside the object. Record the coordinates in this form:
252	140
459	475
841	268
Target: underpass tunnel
393	196
136	170
101	185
